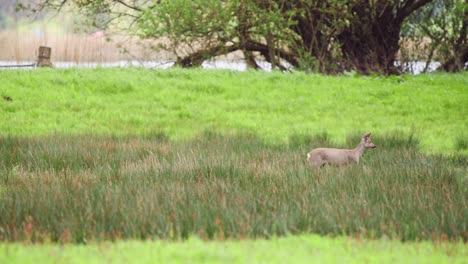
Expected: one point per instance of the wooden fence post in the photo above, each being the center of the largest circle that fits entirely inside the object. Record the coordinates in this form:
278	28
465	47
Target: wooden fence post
43	59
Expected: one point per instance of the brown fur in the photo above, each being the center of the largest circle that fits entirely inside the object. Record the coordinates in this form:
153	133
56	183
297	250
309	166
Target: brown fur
341	157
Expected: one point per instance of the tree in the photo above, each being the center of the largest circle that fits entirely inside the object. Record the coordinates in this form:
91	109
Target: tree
371	42
439	31
327	36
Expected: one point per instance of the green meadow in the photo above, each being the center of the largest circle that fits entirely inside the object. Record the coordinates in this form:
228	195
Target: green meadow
296	249
275	106
209	166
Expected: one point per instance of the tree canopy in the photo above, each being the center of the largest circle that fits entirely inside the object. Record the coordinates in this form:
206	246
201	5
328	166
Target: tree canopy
329	36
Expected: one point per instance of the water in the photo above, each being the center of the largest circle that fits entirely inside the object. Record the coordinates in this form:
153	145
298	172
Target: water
413	67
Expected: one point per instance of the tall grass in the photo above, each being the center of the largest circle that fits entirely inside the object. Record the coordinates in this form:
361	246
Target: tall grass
80	188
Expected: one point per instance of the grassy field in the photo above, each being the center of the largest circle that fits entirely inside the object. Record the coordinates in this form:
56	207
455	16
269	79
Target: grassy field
298	249
109	154
74	189
274	106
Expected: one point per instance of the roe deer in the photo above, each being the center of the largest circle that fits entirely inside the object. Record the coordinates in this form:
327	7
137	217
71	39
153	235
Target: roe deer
321	156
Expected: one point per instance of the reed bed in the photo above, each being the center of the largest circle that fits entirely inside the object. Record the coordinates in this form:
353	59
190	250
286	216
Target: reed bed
21	45
82	188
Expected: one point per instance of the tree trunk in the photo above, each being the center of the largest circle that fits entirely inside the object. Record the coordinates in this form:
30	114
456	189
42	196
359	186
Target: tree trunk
371	51
371	42
460	57
456	63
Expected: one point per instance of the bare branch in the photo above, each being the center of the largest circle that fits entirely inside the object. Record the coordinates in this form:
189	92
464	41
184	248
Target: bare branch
129	6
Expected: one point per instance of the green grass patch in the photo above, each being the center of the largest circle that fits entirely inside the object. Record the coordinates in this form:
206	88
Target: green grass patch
299	249
85	188
95	155
275	106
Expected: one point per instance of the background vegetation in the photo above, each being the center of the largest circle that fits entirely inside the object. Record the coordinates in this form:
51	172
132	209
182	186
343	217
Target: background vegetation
322	36
437	31
331	36
72	40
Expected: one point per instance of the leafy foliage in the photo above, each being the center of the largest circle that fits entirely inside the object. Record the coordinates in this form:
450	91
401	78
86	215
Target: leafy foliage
323	36
438	31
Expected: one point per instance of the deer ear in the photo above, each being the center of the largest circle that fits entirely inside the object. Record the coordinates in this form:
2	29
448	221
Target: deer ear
367	135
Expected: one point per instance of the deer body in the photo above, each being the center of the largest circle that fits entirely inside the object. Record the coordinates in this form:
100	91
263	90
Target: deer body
321	156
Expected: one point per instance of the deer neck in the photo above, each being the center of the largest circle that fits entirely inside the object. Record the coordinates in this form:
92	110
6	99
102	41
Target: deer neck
359	149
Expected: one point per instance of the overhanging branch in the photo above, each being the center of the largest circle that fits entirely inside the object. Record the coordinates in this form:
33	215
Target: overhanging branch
265	51
197	58
409	7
